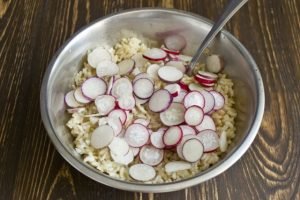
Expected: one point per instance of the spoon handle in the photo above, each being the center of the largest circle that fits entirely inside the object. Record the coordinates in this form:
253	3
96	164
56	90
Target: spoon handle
230	10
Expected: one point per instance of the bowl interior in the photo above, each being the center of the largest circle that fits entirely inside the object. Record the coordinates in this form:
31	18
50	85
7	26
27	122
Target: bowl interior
146	24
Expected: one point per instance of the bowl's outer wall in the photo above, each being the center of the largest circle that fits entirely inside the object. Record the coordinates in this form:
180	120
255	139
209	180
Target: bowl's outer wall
152	24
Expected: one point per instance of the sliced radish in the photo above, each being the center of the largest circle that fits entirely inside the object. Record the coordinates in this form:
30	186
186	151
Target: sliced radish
172	136
184	58
214	63
107	68
70	100
142	75
97	55
206	85
135	150
136	135
93	87
110	84
143	88
139	101
177	64
144	122
208	75
194	115
79	97
187	130
136	71
155	54
152	70
175	166
105	104
195	87
223	141
150	155
156	139
173	57
194	98
209	101
142	172
209	139
118	146
139	60
207	123
123	159
192	150
204	80
169	51
219	100
174	115
122	87
102	136
180	145
170	74
175	42
126	102
160	100
118	114
180	97
122	133
174	89
126	66
116	125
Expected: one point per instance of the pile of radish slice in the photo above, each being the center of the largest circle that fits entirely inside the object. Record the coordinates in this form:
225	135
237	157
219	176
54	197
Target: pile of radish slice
185	110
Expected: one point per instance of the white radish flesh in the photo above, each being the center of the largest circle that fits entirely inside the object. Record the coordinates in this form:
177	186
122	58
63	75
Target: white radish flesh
105	104
126	66
180	97
116	125
118	114
122	87
193	115
170	74
209	139
135	150
71	101
174	115
174	89
195	87
79	97
169	51
214	63
209	101
143	88
155	54
192	150
152	70
219	100
97	55
175	42
110	84
180	145
142	172
207	123
184	58
102	136
139	60
139	101
126	102
160	100
172	136
142	75
107	68
150	155
208	75
194	98
136	135
93	87
118	146
123	159
156	139
223	141
144	122
175	166
208	85
177	64
187	130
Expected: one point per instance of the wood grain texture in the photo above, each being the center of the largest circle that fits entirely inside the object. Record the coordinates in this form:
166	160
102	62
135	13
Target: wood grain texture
31	31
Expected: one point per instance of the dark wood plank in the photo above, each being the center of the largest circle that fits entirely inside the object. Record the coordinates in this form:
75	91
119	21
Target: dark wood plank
31	31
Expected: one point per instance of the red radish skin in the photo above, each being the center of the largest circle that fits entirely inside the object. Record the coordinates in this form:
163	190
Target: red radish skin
105	104
102	136
126	66
142	172
143	88
207	85
119	114
170	74
122	87
107	68
177	64
160	100
194	115
174	115
155	54
71	101
173	57
208	75
204	80
136	135
209	101
187	130
156	139
97	55
192	150
174	89
172	136
183	86
126	102
151	156
219	100
175	42
207	123
169	51
209	139
144	122
194	98
93	87
214	64
79	97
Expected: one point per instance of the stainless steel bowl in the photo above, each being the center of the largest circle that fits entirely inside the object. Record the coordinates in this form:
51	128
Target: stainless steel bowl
152	23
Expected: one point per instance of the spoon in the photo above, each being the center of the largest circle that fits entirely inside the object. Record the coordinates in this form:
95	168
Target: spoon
230	10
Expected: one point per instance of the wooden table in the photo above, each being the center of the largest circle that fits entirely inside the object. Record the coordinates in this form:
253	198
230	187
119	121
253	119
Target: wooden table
30	167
